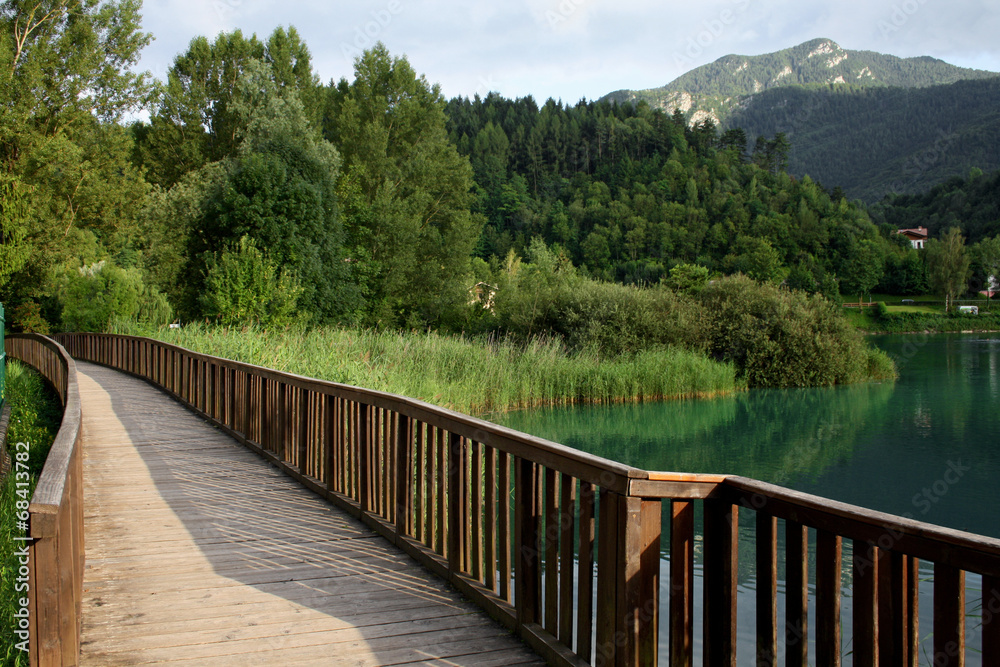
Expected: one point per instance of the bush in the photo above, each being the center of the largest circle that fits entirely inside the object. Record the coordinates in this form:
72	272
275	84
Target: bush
243	286
94	296
783	338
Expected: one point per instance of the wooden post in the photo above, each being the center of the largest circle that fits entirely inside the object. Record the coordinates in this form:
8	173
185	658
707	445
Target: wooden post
796	594
527	546
682	583
364	470
828	632
721	546
767	589
949	616
404	475
585	585
865	601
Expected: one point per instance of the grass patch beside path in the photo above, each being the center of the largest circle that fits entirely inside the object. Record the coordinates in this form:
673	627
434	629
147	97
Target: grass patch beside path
34	420
468	375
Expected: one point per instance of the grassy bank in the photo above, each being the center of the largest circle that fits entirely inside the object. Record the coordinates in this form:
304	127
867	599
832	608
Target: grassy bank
878	320
475	376
35	417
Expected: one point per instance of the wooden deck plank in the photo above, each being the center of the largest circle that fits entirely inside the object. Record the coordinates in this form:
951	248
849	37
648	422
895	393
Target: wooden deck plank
200	552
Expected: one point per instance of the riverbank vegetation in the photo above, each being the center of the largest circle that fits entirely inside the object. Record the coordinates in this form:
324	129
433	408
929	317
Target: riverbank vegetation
473	375
35	417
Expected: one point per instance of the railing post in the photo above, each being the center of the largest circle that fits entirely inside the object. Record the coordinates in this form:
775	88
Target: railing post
527	547
456	529
864	595
628	580
404	473
364	467
721	543
682	584
949	616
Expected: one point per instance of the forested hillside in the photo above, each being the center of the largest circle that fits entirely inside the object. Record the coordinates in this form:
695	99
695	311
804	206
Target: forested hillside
716	90
971	203
628	192
877	141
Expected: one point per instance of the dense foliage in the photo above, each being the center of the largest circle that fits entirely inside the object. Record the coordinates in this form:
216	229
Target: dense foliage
256	194
627	193
877	141
773	336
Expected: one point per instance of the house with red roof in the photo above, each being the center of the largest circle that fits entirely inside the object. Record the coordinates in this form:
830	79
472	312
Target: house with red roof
918	236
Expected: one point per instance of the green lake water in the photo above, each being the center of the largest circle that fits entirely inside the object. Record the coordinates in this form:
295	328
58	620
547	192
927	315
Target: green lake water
926	446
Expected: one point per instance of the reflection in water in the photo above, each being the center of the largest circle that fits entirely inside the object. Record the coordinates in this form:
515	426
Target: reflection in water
888	447
926	447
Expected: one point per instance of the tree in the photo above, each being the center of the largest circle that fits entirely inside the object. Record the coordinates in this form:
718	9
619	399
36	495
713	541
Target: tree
405	192
948	265
65	79
94	296
861	267
195	120
688	278
13	227
986	257
280	191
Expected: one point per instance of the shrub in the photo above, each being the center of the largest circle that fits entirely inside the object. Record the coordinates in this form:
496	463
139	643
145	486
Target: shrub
94	296
782	338
244	286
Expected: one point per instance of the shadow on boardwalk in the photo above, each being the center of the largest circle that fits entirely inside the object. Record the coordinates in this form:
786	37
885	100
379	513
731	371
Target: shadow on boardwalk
199	552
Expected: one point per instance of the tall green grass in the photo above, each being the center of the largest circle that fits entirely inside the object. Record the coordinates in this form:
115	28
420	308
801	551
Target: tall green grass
35	417
476	376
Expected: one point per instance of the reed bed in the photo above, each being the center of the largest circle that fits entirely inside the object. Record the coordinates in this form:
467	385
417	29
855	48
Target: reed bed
475	376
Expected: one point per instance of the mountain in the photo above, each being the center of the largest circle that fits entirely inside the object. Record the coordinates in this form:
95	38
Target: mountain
715	90
872	142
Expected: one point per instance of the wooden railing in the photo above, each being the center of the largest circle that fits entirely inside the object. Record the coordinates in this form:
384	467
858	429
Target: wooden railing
565	548
55	522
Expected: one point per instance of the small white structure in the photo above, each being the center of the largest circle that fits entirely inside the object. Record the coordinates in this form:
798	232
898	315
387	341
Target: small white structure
969	310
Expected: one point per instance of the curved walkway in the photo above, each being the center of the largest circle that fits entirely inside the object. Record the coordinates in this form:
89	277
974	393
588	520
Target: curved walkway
198	552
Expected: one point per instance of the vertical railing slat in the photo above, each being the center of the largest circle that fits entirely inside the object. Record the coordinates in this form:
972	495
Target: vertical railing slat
828	568
796	594
682	583
719	606
949	616
767	589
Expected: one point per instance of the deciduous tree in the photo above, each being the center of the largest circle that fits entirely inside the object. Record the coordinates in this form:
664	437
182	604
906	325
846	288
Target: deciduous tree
405	191
948	265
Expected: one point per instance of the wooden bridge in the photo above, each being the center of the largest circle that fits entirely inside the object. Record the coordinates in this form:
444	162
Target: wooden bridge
198	552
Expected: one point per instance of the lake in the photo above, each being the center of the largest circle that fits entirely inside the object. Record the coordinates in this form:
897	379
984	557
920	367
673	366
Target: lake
925	447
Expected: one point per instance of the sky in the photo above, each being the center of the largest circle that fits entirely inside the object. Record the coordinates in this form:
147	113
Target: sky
573	49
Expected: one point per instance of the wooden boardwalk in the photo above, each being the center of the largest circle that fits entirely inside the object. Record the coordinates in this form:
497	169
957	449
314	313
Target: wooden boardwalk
198	552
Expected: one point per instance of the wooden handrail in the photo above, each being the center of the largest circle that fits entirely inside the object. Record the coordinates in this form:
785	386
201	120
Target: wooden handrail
56	553
519	524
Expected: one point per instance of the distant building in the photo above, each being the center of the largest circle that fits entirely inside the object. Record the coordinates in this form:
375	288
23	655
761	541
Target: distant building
992	288
483	294
917	236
